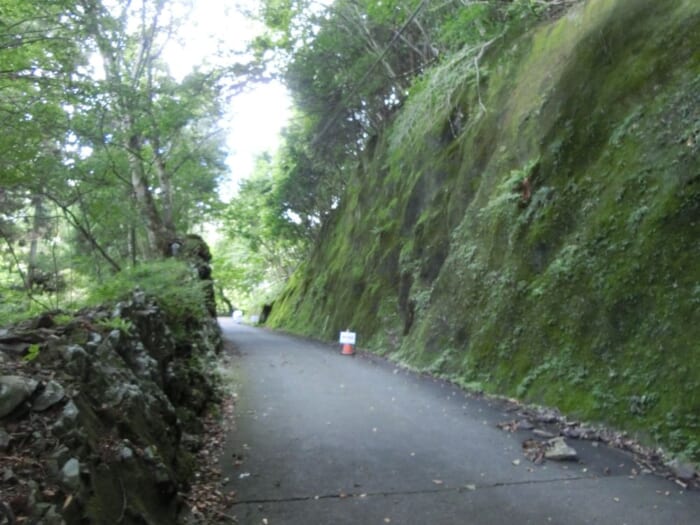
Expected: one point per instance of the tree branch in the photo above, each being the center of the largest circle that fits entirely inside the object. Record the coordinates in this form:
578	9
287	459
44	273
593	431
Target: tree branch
72	219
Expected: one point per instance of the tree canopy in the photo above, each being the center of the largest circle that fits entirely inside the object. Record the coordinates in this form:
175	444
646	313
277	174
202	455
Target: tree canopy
351	64
107	158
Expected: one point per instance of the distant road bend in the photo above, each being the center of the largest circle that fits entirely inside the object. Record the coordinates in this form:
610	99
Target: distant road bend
330	439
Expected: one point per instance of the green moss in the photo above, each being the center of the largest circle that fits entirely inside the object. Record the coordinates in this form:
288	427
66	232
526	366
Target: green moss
171	283
582	294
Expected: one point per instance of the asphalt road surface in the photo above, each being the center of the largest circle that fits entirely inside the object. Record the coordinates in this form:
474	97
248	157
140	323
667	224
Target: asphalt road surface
322	438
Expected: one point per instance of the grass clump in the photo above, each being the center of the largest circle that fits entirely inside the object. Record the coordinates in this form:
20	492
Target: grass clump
16	306
171	283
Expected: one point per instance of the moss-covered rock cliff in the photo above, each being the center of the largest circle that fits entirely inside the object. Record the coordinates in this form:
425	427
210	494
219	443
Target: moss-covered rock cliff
533	225
101	412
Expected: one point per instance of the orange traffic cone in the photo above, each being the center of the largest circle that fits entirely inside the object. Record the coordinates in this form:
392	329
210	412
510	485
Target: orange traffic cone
348	349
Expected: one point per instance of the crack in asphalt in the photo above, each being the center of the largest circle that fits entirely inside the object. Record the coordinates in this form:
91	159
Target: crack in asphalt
467	487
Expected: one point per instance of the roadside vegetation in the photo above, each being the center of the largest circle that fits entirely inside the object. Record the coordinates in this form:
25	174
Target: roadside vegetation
108	160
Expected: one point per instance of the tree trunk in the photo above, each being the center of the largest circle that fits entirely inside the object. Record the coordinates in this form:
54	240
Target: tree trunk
132	244
84	231
165	181
37	232
159	234
124	78
225	300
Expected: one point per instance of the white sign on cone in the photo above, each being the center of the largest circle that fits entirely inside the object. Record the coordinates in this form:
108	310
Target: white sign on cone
347	338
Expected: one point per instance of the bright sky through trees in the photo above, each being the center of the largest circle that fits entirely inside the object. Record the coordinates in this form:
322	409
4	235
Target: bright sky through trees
254	118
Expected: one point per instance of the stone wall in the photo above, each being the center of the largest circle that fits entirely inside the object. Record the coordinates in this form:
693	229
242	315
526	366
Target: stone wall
100	416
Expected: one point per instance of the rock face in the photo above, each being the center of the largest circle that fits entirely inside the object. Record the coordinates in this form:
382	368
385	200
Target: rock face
196	251
4	440
70	474
53	393
108	411
544	246
14	390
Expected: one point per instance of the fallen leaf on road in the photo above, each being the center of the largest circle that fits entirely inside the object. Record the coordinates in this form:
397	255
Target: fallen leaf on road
533	450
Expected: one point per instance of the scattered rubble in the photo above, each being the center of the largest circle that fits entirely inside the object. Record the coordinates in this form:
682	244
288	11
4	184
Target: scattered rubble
557	449
682	471
549	431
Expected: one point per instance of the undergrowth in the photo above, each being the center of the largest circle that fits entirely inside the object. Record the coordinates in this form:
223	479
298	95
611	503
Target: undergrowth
170	282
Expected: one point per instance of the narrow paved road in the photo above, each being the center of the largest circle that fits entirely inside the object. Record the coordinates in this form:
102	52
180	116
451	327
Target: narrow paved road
329	439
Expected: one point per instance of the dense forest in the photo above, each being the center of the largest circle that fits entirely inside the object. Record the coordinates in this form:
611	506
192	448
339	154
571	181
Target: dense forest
107	159
502	192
